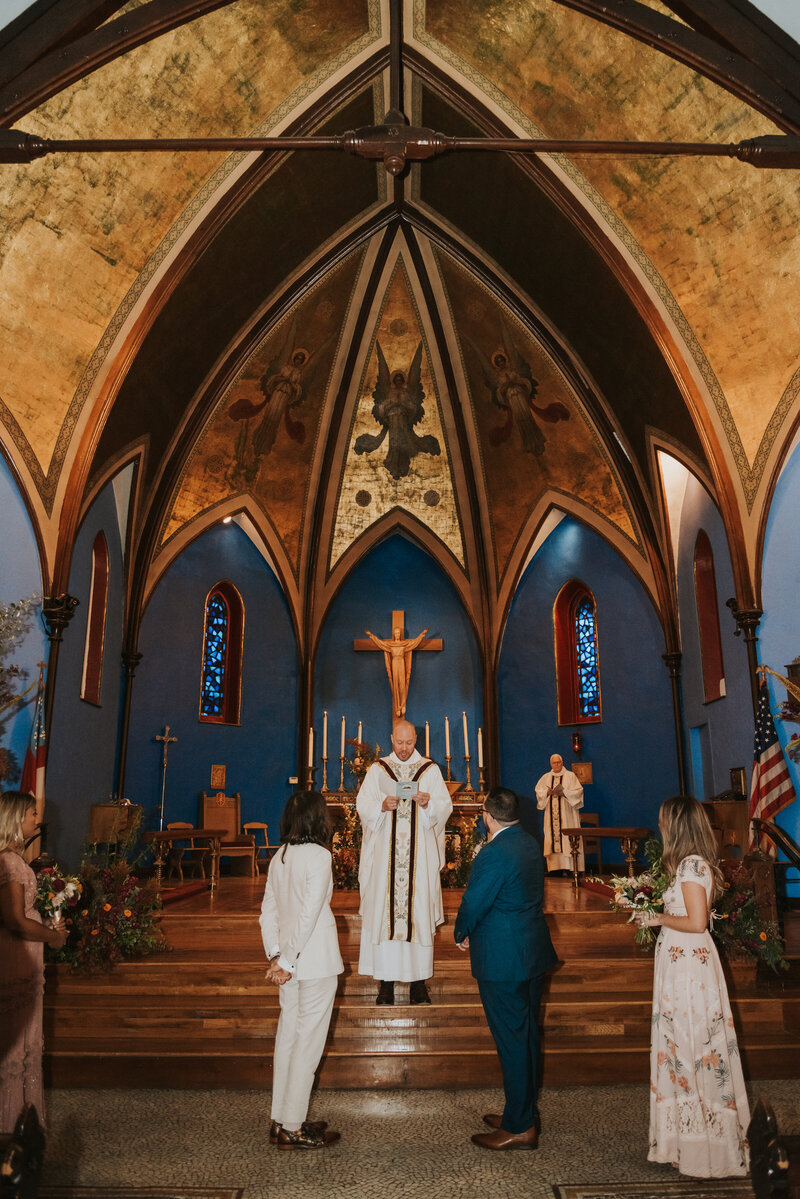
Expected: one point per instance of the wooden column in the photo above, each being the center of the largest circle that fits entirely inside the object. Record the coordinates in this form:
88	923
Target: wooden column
747	620
57	612
673	663
130	660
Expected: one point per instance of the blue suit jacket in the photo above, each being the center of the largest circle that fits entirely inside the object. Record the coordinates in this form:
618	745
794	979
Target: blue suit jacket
501	911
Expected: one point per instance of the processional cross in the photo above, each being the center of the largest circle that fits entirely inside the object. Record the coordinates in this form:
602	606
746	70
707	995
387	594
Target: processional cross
397	653
165	737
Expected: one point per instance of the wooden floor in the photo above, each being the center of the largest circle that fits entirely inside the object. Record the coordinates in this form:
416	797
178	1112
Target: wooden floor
203	1016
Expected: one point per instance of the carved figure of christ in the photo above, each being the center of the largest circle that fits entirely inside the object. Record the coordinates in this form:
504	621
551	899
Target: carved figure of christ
397	654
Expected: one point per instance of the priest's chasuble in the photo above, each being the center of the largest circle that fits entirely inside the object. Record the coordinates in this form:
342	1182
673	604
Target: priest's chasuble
560	811
402	854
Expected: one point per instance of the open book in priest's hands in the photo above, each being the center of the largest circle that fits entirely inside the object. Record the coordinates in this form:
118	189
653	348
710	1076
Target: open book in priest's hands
402	788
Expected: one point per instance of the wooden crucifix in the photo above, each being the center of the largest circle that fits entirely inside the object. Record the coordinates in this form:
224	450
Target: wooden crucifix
397	653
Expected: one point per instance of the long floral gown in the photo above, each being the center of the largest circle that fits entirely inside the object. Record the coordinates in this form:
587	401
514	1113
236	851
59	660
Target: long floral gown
698	1104
21	990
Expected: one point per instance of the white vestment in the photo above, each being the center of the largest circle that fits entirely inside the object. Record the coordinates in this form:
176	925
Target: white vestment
560	811
402	855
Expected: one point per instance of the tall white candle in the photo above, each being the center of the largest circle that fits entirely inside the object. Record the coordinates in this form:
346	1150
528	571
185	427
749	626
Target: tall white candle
446	737
310	747
466	739
341	751
324	734
427	740
480	749
359	732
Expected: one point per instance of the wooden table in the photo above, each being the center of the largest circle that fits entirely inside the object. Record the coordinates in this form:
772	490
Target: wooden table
629	839
162	843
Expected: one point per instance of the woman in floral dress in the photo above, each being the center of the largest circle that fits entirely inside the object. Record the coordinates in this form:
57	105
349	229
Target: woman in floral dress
698	1105
22	939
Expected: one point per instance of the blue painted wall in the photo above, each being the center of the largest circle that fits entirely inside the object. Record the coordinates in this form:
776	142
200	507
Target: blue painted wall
719	735
261	752
20	577
83	736
632	750
397	574
779	634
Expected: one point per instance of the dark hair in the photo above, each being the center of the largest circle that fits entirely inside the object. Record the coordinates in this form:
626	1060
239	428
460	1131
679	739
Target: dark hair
502	804
305	820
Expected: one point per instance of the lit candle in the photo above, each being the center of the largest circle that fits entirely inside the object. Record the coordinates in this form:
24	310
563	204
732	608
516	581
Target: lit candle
310	747
359	732
341	752
324	734
446	737
480	749
427	740
466	739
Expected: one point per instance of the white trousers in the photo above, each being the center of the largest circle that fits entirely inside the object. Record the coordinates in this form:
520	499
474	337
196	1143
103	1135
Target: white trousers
306	1007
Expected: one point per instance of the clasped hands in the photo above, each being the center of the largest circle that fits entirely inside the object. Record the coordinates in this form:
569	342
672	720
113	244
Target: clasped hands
391	801
275	974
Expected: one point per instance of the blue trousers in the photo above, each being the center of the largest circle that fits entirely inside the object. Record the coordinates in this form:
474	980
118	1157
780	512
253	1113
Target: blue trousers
512	1012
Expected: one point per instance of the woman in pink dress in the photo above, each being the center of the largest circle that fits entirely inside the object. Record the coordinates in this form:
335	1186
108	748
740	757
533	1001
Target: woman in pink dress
22	940
698	1105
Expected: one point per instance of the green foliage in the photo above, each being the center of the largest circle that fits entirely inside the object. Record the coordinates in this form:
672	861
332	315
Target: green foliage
460	851
346	852
15	623
738	925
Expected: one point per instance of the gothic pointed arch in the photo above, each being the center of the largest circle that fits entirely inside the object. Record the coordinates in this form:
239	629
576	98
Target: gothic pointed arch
221	671
577	657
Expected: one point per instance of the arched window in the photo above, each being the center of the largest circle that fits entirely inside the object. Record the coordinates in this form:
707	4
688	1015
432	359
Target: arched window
96	623
705	591
221	675
577	663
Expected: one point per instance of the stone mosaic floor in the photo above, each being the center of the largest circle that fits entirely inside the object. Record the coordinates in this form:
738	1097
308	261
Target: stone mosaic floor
395	1144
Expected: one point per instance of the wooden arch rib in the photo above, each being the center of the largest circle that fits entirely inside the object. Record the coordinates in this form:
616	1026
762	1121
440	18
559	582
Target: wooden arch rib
788	448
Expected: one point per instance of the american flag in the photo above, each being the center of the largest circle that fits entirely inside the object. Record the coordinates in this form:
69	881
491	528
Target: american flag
771	787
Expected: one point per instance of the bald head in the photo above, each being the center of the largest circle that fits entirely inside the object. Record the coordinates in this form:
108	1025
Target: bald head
404	738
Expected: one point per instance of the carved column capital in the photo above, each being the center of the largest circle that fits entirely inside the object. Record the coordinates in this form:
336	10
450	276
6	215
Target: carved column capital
130	660
747	619
57	612
672	662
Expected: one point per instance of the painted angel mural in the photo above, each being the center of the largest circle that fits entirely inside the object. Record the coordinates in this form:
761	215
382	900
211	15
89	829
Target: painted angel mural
398	408
513	389
283	386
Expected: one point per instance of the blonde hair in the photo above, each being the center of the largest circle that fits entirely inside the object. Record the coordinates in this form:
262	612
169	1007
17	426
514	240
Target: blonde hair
686	830
13	806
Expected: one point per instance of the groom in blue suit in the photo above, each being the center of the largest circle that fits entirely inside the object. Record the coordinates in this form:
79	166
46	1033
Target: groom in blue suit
502	924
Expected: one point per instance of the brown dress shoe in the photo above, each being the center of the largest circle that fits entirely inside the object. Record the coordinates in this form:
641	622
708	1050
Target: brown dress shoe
308	1126
306	1138
497	1121
418	993
385	993
500	1139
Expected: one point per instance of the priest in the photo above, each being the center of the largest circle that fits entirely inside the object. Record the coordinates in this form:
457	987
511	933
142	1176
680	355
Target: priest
403	805
560	794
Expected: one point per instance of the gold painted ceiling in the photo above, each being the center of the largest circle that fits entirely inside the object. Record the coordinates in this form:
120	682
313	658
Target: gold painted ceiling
452	353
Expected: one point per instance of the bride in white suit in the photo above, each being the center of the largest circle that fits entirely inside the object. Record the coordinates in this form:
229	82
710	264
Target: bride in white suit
300	940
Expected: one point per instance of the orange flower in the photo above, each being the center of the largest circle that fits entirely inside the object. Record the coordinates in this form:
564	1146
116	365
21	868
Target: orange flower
95	931
85	912
106	907
127	912
68	920
763	936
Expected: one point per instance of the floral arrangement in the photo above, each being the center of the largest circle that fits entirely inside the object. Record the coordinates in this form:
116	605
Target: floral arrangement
461	848
643	893
360	757
116	914
56	891
346	851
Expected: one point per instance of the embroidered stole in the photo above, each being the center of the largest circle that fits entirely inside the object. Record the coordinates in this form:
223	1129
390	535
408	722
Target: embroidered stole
556	811
403	852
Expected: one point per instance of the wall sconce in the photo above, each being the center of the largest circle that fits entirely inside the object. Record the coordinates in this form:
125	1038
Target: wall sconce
577	743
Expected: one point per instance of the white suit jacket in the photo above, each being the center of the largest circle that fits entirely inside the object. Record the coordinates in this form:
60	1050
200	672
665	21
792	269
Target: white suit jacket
296	918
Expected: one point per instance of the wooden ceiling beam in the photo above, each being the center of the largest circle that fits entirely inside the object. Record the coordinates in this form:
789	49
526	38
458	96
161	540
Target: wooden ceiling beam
63	65
729	68
44	26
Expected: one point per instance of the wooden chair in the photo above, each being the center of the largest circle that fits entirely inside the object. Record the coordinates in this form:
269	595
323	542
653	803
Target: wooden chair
251	828
186	854
591	845
225	812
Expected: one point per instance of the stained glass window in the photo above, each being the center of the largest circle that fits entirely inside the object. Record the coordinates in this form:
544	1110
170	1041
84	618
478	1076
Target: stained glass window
586	661
215	658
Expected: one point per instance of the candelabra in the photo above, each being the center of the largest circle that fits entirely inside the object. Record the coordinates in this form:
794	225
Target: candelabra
324	774
481	781
341	772
467	760
448	759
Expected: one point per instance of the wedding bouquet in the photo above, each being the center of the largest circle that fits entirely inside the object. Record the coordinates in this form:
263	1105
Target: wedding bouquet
55	891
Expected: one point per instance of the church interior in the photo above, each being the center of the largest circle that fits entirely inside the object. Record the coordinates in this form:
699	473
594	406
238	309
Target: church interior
257	400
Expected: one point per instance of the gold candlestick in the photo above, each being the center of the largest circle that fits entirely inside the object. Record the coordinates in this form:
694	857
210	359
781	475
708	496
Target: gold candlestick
467	760
341	772
448	759
310	778
481	782
324	774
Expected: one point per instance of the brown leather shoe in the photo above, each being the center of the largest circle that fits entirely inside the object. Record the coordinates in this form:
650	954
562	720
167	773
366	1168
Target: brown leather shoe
385	993
497	1121
500	1139
306	1138
317	1126
418	993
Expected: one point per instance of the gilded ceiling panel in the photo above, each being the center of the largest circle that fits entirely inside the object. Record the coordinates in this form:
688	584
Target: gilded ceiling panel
78	230
398	455
723	237
533	435
260	439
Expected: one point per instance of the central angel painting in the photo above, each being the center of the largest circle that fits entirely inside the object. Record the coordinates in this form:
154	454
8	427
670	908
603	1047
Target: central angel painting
398	408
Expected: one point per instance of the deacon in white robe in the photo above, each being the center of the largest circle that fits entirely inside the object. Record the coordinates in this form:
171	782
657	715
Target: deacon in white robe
402	854
560	795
